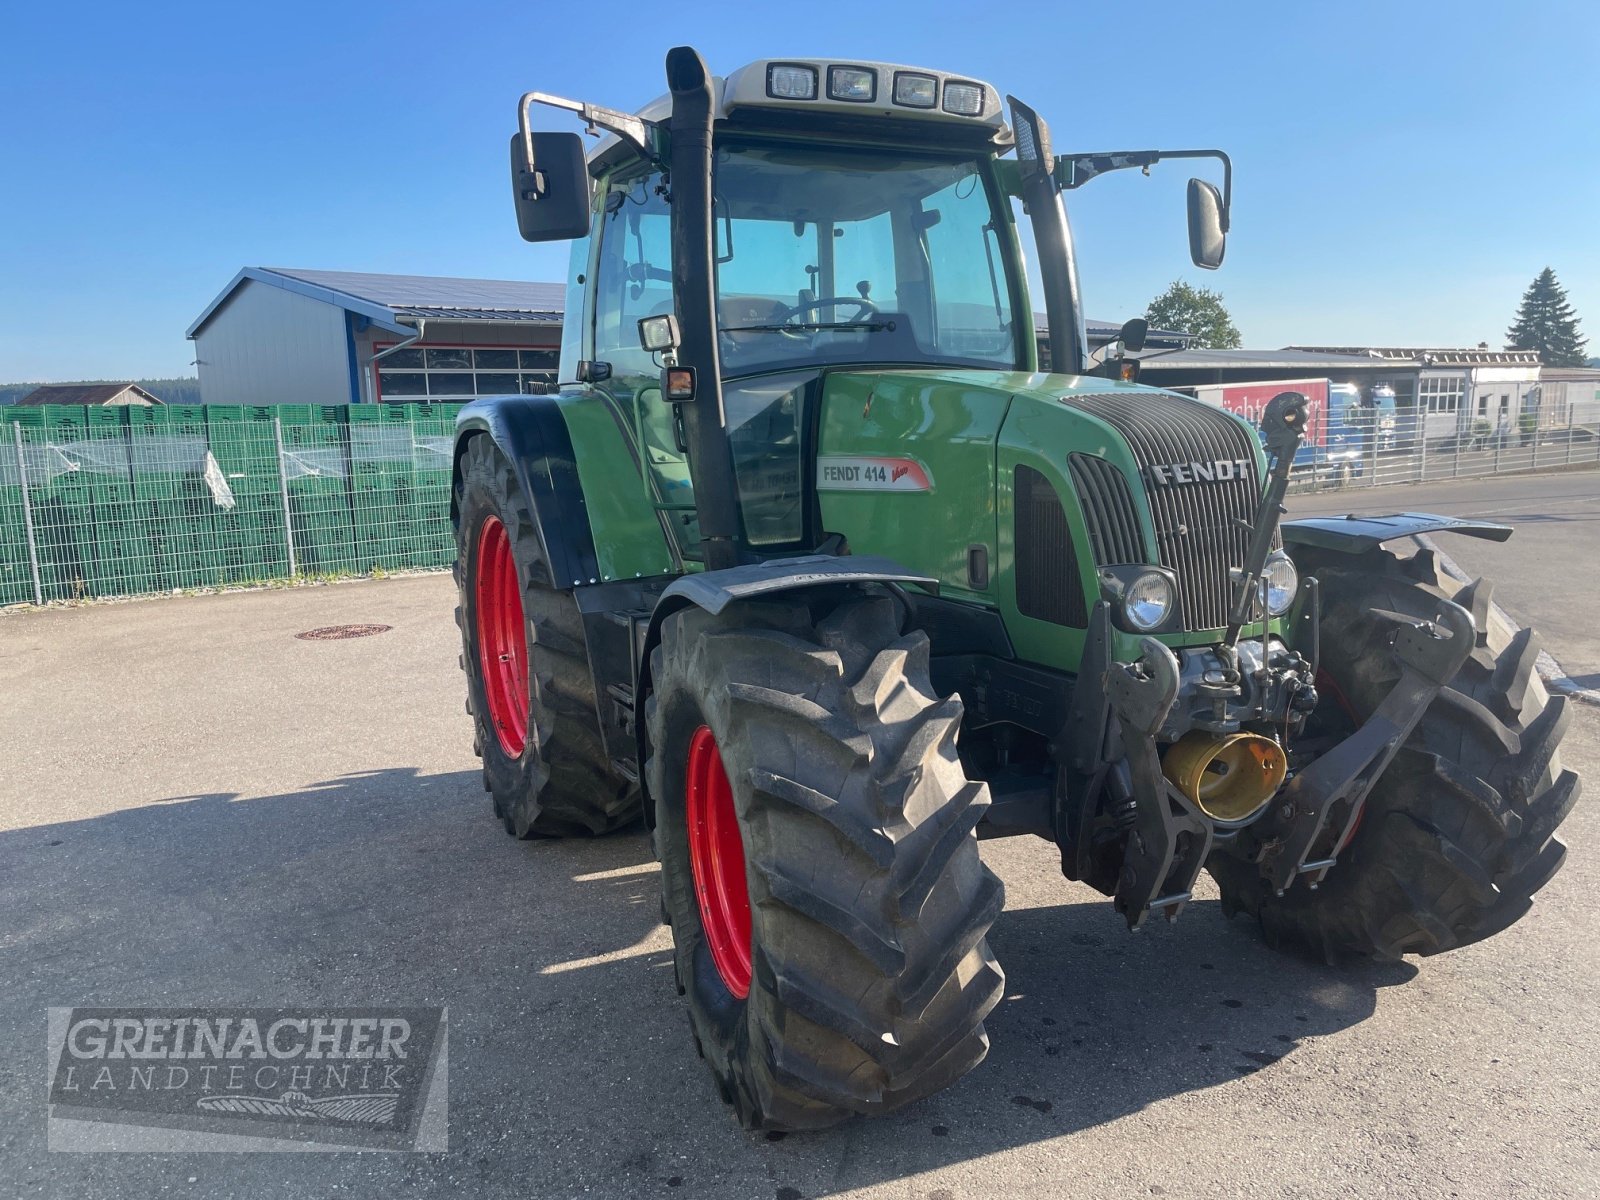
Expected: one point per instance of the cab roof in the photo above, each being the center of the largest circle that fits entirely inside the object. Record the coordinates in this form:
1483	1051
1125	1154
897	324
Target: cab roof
752	91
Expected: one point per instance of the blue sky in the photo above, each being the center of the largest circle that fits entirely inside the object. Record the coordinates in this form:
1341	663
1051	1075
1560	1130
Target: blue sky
1402	170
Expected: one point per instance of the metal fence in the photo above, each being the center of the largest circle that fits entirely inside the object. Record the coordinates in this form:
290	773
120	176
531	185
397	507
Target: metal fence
1369	448
99	502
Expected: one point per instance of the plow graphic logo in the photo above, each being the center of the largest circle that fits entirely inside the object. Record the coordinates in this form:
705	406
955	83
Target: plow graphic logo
247	1079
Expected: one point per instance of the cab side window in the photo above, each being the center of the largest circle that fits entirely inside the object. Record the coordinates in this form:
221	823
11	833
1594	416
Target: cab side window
634	275
633	279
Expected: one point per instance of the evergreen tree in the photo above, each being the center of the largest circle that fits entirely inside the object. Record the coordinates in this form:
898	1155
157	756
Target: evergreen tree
1546	323
1197	312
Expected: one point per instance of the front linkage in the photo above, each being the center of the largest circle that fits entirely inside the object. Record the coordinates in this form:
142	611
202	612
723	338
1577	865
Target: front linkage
1113	731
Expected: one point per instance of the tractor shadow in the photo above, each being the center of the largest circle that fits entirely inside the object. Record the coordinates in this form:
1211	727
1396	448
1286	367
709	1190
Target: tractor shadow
569	1056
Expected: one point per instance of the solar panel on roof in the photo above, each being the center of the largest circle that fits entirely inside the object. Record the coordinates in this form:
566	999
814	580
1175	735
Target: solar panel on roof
407	292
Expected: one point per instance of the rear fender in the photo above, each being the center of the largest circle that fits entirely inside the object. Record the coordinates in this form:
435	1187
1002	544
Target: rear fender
716	590
531	432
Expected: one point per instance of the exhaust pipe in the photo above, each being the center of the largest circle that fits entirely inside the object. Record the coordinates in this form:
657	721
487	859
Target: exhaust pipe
1230	779
716	494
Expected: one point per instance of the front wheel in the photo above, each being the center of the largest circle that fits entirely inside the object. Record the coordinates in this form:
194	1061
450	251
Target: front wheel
1458	833
819	865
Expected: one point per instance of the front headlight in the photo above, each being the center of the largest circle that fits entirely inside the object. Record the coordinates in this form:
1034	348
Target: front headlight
1279	583
1147	601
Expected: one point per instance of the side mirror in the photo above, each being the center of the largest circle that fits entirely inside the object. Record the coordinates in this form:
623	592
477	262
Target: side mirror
1132	335
1208	238
552	191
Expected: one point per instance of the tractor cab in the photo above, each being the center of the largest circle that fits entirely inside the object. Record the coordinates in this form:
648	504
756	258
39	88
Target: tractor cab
825	256
860	216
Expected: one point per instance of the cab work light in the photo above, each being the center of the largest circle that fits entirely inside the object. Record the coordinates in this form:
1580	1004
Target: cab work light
790	81
963	99
659	333
853	83
915	91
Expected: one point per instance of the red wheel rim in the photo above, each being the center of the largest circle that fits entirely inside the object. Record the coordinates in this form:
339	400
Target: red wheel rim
716	857
502	639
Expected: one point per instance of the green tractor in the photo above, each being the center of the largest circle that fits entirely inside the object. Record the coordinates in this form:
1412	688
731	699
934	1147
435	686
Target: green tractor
811	568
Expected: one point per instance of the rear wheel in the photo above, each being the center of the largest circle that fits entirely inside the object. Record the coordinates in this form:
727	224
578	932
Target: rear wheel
1457	835
529	688
819	865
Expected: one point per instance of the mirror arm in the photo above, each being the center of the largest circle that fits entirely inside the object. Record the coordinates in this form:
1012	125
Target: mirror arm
631	129
1075	170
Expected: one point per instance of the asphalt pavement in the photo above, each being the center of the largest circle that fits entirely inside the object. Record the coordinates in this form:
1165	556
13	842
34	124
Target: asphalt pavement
198	808
1546	575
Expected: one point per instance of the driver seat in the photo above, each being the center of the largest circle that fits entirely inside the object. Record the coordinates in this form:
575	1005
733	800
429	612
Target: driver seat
748	310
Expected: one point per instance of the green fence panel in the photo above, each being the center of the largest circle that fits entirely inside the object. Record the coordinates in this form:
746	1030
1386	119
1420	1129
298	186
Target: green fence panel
136	499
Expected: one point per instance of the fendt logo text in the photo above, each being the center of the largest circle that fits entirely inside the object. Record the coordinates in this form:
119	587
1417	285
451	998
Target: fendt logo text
1217	471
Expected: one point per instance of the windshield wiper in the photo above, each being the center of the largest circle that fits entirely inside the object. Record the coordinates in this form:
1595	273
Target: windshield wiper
864	326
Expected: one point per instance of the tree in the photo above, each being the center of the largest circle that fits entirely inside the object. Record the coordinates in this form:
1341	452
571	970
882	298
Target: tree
1546	323
1196	311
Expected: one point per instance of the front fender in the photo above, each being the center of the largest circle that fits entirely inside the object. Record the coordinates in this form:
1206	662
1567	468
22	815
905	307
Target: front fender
1356	534
715	590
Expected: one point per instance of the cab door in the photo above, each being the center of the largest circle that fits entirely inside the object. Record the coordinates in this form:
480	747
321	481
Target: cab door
633	279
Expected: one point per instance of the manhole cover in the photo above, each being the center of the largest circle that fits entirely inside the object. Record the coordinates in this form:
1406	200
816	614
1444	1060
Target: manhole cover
337	633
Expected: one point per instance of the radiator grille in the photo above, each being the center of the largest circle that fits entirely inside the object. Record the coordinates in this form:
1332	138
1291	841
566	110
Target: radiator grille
1108	510
1049	586
1202	527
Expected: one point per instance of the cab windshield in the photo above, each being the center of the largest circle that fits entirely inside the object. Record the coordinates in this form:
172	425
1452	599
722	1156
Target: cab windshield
876	256
823	257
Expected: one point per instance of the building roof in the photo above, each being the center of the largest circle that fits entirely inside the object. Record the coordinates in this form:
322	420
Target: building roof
1437	356
1104	331
88	393
1294	359
384	299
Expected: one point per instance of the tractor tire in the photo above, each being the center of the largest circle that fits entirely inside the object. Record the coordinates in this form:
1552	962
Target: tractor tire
1458	833
865	976
529	688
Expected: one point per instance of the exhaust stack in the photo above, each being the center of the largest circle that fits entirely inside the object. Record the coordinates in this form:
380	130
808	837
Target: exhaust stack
693	270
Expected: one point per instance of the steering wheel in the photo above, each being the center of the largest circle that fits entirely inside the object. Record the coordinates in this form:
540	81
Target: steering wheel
864	309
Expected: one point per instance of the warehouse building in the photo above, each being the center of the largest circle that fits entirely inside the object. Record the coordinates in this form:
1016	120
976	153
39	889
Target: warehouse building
1459	391
276	335
1191	368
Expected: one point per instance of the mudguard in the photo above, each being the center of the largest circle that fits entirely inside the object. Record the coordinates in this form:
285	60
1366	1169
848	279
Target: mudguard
715	590
1356	534
532	434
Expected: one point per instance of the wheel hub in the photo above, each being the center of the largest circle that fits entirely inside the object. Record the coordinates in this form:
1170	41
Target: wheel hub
502	638
716	859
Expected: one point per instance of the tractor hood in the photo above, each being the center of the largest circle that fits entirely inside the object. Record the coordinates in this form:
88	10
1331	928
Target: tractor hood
1011	488
1100	426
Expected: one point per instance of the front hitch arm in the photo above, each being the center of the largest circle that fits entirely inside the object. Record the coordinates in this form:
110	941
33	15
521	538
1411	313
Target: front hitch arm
1430	654
1169	838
